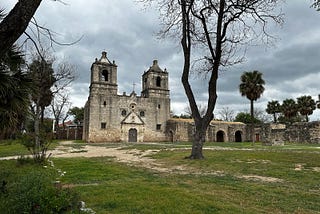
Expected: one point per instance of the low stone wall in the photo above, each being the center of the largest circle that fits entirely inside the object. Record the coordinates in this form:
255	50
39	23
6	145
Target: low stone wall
302	132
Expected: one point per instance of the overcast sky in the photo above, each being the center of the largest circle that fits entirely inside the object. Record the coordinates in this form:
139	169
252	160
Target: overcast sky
123	28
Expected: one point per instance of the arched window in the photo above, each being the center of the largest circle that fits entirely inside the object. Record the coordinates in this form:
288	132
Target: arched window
104	103
158	82
105	75
142	113
123	113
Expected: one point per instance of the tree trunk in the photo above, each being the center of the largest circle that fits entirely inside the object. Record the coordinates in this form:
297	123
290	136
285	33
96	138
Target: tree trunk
197	144
252	122
37	132
16	22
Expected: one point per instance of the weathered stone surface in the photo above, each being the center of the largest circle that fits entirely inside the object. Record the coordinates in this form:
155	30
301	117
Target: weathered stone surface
110	117
302	132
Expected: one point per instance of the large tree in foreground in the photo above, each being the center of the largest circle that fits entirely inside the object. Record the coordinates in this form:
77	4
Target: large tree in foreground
217	32
15	23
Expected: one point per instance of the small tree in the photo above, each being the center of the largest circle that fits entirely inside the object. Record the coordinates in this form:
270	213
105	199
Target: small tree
60	106
245	117
47	84
226	114
273	108
306	106
289	109
77	113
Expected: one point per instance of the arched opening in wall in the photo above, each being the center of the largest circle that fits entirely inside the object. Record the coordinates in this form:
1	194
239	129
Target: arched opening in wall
238	136
220	136
158	82
133	135
105	75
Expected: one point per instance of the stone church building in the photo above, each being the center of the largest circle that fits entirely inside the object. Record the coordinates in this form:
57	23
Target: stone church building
110	117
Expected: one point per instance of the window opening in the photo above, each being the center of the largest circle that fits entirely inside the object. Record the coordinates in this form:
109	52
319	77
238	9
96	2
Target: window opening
103	125
158	82
105	75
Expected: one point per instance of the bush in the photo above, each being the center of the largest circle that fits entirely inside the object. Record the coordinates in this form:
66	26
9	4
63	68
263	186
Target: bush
36	192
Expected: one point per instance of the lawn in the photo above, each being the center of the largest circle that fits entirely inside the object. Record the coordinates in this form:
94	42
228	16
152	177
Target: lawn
238	178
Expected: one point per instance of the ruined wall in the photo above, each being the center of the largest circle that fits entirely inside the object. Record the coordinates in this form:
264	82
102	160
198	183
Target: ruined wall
278	134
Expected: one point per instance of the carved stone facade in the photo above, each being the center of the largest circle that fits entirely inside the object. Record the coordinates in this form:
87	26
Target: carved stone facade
110	117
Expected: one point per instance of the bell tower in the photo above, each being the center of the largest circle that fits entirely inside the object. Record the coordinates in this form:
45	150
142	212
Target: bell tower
104	76
155	82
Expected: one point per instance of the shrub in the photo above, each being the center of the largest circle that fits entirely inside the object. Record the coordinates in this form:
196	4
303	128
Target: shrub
36	193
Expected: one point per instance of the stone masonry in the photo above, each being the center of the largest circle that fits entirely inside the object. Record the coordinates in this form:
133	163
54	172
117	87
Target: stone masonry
110	117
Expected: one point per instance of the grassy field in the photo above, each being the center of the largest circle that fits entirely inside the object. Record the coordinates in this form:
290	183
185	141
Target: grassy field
13	148
233	178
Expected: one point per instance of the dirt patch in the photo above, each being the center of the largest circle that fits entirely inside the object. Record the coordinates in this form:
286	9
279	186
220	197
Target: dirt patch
141	158
260	178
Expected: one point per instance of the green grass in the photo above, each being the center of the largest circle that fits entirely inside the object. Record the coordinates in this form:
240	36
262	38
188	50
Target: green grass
14	148
110	187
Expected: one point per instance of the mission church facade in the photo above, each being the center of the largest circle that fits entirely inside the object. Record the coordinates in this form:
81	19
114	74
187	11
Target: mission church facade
110	117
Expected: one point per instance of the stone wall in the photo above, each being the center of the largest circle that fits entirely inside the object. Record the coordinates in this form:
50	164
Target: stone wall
218	131
278	134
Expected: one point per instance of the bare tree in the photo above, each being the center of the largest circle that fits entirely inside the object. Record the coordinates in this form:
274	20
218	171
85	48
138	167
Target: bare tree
221	31
47	83
226	114
60	106
202	110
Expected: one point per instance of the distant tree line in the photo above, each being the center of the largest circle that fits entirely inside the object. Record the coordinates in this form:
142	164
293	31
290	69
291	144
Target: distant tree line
292	110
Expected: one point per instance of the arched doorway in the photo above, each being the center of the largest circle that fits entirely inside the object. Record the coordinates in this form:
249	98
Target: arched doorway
238	136
220	136
133	135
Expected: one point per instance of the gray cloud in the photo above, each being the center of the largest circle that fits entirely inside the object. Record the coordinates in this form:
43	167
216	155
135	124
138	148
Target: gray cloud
127	32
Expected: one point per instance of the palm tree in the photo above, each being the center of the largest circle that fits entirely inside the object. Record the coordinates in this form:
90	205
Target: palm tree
306	106
289	109
273	108
14	91
251	86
